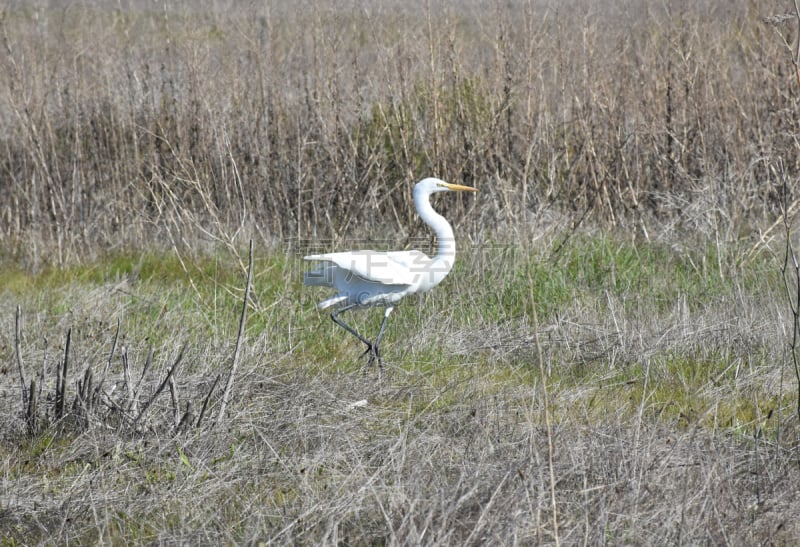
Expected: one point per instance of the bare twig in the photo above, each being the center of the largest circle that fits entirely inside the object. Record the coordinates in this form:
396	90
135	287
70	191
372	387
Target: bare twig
790	272
161	387
208	398
126	376
85	389
31	410
234	361
173	395
17	336
61	379
108	363
43	372
792	287
134	402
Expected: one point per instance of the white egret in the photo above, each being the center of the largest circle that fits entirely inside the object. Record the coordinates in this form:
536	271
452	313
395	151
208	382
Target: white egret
376	278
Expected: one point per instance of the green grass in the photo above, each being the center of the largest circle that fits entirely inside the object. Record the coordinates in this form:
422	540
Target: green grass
487	286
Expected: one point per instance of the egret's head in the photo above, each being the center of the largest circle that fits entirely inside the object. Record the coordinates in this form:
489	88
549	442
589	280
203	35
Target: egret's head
431	185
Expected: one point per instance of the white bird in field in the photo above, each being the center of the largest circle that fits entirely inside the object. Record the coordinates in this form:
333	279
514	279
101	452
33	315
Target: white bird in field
377	278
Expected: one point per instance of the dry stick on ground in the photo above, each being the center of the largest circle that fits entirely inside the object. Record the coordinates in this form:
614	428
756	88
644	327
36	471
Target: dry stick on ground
546	409
134	402
234	363
162	386
96	393
61	379
30	411
208	398
17	336
85	389
173	395
126	375
43	371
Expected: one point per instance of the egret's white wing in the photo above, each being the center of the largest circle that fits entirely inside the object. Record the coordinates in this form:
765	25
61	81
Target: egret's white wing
391	268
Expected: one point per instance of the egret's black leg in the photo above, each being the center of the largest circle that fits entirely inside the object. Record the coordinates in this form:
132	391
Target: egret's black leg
372	349
335	317
377	352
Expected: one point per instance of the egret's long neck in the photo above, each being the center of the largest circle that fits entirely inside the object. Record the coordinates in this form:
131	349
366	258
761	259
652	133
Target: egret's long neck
444	233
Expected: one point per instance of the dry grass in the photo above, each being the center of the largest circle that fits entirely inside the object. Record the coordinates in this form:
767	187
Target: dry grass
142	126
298	465
631	161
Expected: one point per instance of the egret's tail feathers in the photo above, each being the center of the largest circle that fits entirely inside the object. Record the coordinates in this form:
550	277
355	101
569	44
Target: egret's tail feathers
331	301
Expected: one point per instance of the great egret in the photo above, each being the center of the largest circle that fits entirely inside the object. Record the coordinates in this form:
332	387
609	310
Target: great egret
375	278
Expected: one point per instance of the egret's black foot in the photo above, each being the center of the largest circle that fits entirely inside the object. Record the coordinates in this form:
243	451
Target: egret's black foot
374	355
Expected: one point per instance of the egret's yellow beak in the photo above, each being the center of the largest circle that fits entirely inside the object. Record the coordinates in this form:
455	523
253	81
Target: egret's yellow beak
459	188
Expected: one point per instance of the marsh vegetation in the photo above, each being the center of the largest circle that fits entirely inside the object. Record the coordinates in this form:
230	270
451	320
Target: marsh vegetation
608	362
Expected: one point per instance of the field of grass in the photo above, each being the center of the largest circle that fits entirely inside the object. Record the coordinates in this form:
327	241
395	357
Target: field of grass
671	401
609	361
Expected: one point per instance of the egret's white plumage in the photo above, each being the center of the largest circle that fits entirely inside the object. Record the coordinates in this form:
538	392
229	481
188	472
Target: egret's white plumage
376	278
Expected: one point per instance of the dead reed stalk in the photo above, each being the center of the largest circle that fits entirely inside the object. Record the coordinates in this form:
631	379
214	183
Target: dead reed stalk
235	358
